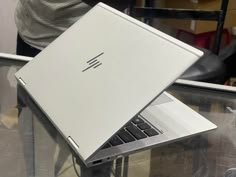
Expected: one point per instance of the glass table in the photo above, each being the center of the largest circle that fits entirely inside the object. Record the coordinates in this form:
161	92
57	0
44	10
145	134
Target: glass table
31	147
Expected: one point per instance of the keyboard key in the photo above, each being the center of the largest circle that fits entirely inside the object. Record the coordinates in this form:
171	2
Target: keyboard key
122	130
137	120
115	141
106	146
128	124
138	134
126	137
151	132
144	126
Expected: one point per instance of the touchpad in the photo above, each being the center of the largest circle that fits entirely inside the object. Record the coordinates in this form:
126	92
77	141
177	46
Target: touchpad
163	98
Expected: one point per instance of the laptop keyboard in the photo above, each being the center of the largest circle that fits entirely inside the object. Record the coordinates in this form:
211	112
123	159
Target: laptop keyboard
134	130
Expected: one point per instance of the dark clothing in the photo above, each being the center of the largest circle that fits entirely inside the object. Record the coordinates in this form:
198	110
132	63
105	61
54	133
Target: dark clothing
25	49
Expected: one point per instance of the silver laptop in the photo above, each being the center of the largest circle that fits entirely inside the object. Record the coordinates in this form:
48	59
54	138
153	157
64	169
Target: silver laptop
101	74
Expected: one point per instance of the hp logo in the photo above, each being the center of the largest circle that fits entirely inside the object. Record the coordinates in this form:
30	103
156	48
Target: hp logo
93	63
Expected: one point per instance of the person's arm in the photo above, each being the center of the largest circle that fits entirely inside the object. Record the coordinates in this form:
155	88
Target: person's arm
118	4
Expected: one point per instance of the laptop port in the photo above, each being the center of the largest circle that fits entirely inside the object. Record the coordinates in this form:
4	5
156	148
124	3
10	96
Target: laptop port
97	162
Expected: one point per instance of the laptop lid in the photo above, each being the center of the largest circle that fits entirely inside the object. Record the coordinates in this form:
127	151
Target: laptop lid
100	73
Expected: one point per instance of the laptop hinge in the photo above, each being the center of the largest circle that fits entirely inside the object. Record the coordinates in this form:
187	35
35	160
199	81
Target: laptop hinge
73	143
22	81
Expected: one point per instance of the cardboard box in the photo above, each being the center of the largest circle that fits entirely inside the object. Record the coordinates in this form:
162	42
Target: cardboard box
199	4
197	26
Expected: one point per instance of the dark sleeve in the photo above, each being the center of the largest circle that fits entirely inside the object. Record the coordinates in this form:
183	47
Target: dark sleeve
117	4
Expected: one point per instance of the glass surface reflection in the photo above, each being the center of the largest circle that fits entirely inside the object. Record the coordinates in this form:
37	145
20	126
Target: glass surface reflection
30	145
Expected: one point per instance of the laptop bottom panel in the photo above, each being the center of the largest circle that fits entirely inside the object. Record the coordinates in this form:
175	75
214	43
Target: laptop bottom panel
170	118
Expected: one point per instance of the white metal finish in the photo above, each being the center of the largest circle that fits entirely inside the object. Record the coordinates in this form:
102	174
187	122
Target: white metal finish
176	120
138	63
